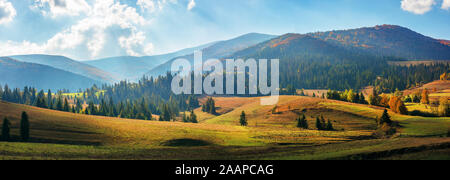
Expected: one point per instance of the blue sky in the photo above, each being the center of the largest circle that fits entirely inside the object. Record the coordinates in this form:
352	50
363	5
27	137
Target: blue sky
92	29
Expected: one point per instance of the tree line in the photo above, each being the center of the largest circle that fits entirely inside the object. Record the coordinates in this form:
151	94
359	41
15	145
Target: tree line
124	99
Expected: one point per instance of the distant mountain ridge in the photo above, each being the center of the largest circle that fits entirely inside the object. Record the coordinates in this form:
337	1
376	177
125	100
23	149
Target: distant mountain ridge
389	40
219	50
290	44
67	64
376	45
18	74
132	68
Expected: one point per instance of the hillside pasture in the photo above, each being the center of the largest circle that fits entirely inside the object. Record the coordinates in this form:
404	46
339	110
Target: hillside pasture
270	134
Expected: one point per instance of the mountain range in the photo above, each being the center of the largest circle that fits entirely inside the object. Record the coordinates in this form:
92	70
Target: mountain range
218	50
389	40
332	47
70	65
18	74
132	68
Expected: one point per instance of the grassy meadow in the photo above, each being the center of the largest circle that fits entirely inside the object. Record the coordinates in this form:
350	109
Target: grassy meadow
270	134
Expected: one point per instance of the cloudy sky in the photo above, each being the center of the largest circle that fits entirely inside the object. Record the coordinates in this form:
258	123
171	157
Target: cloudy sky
92	29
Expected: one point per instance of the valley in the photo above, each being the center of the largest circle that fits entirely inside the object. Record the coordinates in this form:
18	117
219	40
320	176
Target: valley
378	92
61	135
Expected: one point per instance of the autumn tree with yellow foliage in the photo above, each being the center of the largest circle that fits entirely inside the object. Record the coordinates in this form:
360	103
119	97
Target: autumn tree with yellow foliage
425	97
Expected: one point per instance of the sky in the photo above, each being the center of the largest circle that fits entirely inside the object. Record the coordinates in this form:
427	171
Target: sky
94	29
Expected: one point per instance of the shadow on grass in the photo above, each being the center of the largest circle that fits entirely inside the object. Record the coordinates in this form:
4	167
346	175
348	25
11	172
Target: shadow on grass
186	142
422	114
53	141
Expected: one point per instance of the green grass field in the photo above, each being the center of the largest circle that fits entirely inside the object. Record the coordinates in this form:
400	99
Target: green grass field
60	135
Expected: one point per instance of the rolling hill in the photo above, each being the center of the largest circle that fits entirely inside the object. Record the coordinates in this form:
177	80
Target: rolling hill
385	40
62	135
349	59
70	65
18	74
290	45
132	68
218	50
389	40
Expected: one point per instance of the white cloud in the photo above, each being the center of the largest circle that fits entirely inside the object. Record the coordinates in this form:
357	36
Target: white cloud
446	5
130	43
152	6
417	6
148	5
191	5
7	12
57	8
108	27
25	47
149	48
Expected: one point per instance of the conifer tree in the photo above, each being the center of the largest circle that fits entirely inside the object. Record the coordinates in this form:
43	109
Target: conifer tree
385	118
362	99
59	104
49	99
301	122
330	126
185	118
24	127
6	127
323	122
318	123
193	117
243	119
66	105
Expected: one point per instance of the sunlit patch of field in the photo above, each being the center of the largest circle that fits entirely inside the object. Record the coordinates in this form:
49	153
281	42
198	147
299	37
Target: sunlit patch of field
419	107
311	92
67	128
434	87
440	95
280	127
412	126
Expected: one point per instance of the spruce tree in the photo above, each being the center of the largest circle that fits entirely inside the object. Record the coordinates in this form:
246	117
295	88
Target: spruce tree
59	104
385	118
24	127
243	119
193	117
66	105
362	99
185	118
318	123
305	122
49	99
329	126
6	129
301	122
323	122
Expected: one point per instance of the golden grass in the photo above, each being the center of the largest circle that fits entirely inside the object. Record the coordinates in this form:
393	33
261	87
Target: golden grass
272	136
